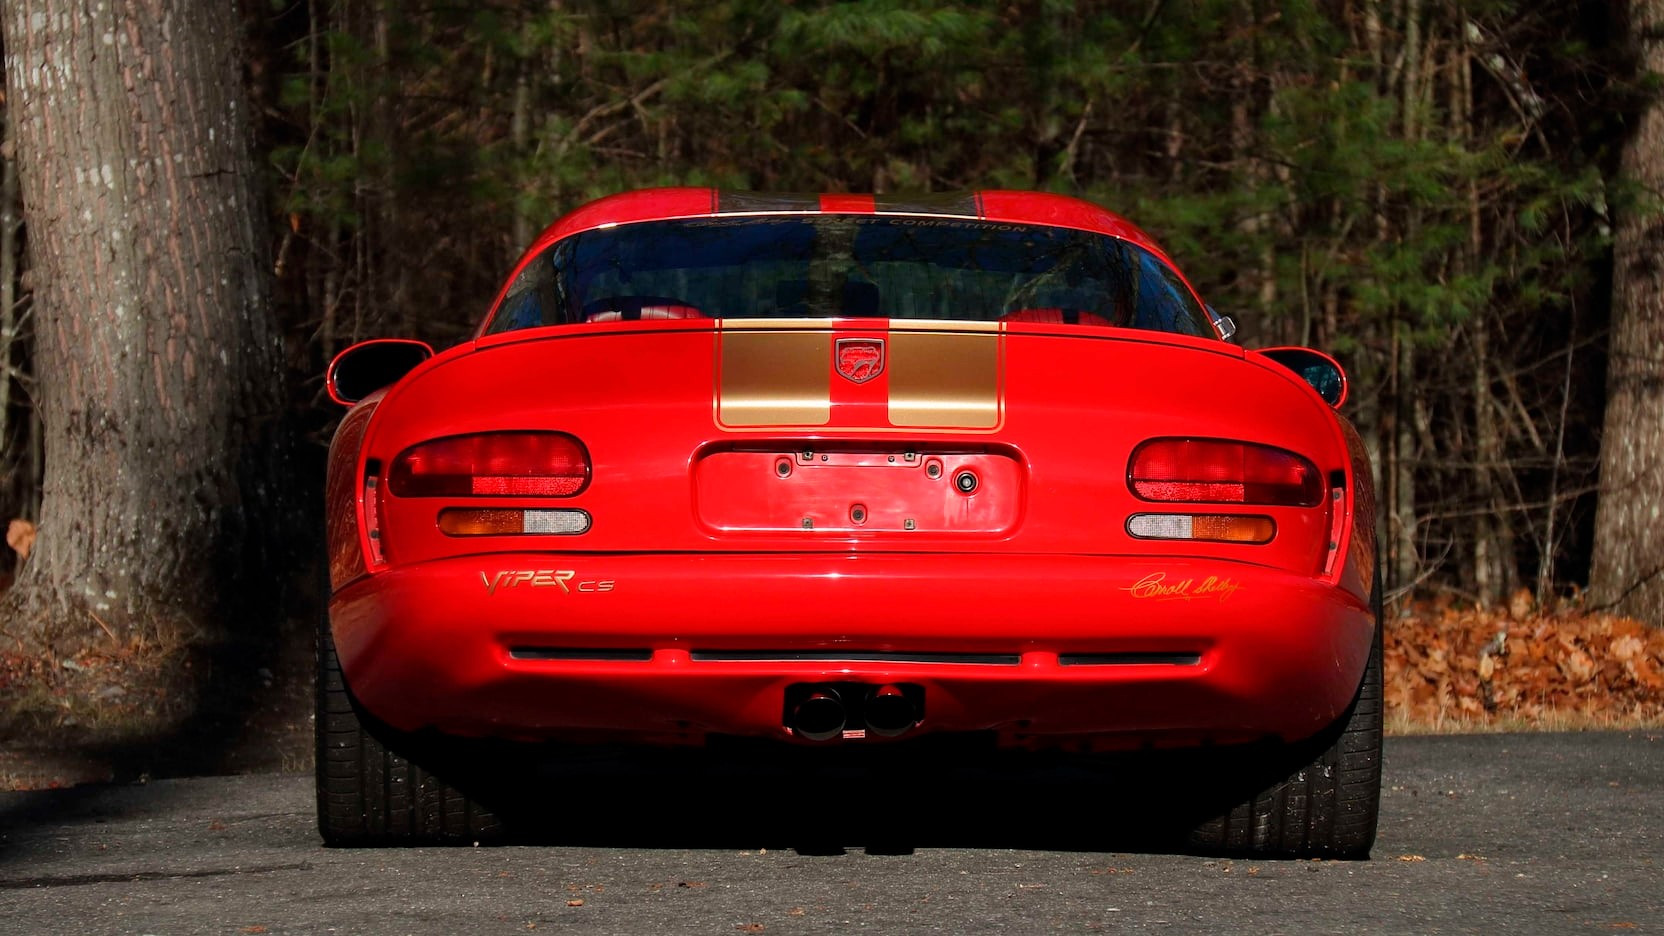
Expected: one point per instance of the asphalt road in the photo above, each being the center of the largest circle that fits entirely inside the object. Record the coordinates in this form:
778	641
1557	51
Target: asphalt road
1547	833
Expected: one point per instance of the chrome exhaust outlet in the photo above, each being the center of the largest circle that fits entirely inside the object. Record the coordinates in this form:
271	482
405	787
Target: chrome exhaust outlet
889	712
819	717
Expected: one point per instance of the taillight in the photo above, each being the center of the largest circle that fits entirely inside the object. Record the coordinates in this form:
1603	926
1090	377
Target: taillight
1217	528
464	521
1213	471
494	464
374	553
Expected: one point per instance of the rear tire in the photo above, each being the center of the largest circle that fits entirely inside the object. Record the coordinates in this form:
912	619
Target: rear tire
1326	809
370	794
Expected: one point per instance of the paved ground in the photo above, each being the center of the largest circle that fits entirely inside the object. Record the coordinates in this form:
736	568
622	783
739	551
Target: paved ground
1485	834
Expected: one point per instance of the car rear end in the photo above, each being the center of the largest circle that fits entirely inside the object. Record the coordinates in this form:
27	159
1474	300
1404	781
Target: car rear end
659	530
849	471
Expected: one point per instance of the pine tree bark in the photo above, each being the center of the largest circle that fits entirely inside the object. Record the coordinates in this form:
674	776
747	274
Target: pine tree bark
1628	565
11	459
157	352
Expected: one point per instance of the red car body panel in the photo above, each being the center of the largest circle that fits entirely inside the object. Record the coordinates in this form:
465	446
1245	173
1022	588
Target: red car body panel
762	519
714	636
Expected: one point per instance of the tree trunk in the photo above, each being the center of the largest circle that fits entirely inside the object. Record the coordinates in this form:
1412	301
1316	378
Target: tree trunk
156	349
11	458
1628	565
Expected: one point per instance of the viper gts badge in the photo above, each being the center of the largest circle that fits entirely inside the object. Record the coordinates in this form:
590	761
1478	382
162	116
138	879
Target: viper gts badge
859	359
543	578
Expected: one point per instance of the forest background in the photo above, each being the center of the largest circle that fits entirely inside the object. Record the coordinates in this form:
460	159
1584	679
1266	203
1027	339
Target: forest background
1430	189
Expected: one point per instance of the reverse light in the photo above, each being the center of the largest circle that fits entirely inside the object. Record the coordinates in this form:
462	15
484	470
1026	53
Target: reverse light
493	464
1218	528
465	521
1216	471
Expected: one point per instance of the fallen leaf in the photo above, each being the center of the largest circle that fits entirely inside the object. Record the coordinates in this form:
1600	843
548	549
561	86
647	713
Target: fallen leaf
1411	858
20	536
1627	648
749	927
256	928
575	902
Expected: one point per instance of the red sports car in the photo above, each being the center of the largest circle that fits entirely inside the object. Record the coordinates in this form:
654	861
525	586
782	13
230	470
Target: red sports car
850	470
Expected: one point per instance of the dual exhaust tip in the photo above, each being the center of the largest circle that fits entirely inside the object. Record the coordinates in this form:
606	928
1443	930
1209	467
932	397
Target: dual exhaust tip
823	714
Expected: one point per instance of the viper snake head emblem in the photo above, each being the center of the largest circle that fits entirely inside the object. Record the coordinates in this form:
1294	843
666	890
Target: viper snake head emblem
859	359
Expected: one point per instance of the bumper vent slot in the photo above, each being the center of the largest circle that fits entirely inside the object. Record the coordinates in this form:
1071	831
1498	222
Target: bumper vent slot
851	656
625	654
1129	659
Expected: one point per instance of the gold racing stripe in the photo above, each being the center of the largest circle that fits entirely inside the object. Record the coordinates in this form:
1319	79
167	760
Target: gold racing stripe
773	373
778	373
946	379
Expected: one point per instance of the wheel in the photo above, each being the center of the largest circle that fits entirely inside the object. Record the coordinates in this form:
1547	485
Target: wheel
1327	808
368	793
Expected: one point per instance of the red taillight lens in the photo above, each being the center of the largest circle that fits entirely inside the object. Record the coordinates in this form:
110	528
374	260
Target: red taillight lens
374	552
1211	471
495	464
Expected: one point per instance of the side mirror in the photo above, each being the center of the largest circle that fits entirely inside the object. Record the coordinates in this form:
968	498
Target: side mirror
371	365
1320	370
1226	324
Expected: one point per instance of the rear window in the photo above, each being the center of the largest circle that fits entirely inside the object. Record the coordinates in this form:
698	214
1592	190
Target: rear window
850	266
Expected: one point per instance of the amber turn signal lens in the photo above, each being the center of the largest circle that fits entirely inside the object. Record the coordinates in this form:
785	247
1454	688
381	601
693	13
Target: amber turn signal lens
467	521
1217	528
1232	529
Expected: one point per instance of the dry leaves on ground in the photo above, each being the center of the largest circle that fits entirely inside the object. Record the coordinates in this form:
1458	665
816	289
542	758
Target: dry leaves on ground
1467	668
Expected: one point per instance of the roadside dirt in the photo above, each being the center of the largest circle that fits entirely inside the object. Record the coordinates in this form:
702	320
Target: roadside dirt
126	712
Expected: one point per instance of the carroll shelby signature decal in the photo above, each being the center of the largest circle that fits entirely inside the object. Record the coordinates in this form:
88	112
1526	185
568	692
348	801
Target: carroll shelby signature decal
1155	586
544	578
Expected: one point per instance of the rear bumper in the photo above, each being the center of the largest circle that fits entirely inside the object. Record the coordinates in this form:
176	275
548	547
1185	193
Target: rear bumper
1039	650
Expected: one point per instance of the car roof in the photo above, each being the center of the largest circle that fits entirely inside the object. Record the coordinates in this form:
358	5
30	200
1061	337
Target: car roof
996	206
